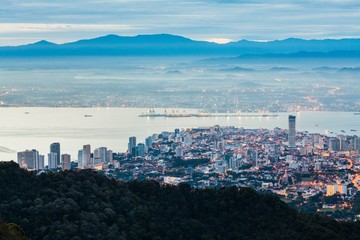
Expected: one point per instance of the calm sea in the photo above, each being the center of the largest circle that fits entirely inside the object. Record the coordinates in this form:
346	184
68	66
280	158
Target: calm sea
37	128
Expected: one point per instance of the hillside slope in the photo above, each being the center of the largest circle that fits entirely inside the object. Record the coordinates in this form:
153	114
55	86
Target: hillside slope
87	205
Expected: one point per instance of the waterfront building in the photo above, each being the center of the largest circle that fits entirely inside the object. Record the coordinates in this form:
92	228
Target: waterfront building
82	157
132	146
101	155
41	164
141	149
87	150
148	142
110	156
52	160
30	160
55	148
292	131
154	137
176	132
66	161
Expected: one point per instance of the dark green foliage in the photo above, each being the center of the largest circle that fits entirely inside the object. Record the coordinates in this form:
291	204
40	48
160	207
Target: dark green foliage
11	232
87	205
356	204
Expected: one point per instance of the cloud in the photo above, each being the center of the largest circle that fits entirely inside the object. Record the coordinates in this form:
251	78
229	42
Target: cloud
68	20
55	27
6	150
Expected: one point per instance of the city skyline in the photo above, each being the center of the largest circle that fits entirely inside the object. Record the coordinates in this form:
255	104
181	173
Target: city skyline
306	164
116	112
216	21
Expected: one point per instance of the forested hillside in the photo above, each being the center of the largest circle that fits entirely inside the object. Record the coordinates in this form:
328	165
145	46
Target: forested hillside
87	205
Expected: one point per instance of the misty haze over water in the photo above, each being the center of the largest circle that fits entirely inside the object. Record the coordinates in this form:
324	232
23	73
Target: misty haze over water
209	84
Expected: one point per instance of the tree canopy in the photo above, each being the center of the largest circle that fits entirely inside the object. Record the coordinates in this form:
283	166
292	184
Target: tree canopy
87	205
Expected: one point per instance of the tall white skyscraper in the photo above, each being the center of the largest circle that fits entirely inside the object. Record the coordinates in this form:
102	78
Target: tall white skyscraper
292	131
41	164
52	160
82	157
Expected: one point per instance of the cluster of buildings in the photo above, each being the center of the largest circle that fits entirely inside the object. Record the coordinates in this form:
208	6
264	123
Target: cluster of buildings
294	165
32	160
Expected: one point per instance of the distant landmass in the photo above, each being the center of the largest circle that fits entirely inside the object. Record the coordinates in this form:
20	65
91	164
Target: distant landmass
172	45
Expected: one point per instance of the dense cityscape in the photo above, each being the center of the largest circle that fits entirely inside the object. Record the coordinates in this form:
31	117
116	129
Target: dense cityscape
177	120
310	171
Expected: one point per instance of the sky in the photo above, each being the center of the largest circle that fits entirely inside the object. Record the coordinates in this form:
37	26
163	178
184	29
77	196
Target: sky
60	21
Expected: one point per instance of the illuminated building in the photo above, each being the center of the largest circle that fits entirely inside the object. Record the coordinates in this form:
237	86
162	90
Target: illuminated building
331	189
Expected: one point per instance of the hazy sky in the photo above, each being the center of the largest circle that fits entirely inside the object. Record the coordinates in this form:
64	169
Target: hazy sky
24	21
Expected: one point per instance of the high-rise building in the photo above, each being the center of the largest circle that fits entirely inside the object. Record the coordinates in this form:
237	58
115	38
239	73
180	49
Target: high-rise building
52	160
65	161
82	159
344	145
110	156
101	155
132	146
148	143
179	152
55	148
41	162
87	150
176	132
356	143
141	149
30	159
292	131
334	144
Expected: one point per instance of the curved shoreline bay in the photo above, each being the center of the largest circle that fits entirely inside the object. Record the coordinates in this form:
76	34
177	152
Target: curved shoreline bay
37	128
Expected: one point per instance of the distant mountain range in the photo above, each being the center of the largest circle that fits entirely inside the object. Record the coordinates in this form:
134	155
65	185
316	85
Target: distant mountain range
172	45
